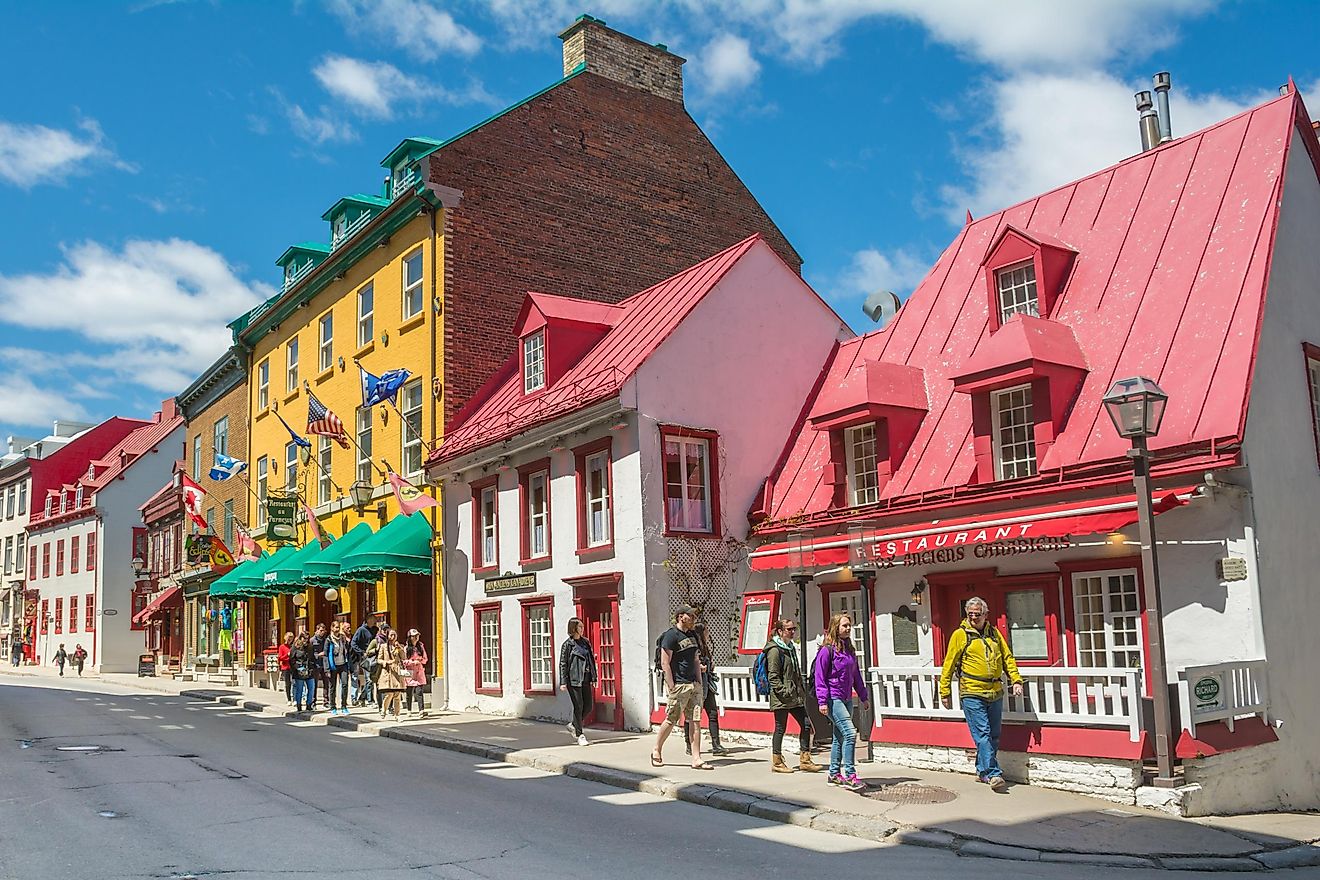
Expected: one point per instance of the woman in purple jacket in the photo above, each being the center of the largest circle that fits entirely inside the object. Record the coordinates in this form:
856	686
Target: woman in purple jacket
837	676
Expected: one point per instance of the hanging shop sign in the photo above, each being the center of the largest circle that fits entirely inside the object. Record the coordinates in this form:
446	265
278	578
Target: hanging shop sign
282	518
197	550
510	583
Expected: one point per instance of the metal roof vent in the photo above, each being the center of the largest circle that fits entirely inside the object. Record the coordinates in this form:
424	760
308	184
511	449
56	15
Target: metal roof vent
1150	122
881	306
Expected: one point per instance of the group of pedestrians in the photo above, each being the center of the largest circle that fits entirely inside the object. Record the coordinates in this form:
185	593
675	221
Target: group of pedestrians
77	658
354	668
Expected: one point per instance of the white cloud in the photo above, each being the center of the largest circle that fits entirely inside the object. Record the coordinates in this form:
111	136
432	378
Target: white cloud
152	314
872	270
33	154
419	27
23	404
375	89
726	65
318	128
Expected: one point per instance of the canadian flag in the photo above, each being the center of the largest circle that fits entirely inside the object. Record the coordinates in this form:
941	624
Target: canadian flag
193	496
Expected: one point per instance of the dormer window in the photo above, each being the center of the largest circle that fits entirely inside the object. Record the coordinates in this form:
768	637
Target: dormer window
401	176
64	501
863	471
533	350
50	505
1014	433
78	497
338	228
1017	291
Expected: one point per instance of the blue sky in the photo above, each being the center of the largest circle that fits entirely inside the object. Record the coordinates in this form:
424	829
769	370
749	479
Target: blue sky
156	157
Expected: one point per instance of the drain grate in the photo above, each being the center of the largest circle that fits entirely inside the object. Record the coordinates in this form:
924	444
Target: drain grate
907	793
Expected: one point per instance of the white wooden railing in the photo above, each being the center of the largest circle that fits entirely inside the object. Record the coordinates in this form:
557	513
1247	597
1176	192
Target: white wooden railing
1223	692
1085	697
351	229
302	272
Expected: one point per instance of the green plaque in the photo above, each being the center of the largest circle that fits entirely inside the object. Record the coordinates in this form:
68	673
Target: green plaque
282	518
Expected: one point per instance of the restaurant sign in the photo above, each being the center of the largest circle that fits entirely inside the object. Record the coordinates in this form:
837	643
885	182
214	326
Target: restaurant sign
282	517
510	583
943	548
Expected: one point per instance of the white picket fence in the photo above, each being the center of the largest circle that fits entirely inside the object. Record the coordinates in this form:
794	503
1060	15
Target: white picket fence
1086	697
1240	690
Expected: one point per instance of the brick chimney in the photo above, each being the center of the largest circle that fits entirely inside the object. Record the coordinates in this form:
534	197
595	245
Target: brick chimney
602	50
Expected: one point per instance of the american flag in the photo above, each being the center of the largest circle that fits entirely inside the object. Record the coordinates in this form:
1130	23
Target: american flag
321	421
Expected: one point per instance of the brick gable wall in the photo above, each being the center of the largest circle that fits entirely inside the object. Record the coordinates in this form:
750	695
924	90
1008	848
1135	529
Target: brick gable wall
592	189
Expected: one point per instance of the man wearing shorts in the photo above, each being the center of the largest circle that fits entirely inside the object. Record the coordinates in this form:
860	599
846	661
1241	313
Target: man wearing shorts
683	684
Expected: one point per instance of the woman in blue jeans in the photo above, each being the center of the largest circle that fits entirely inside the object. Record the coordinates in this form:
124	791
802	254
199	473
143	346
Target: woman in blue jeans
837	677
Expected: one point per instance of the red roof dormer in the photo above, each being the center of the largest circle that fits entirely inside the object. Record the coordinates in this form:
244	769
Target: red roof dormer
1025	273
554	332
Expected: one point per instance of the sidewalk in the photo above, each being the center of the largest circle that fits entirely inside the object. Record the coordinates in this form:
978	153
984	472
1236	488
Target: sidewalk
946	810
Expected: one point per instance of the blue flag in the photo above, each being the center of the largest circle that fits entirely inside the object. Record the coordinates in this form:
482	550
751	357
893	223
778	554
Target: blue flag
378	389
226	467
299	440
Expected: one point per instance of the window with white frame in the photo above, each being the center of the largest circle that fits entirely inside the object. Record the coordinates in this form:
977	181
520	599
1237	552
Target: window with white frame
1017	291
262	465
78	497
50	505
538	643
9	555
291	466
364	443
488	539
19	553
687	484
291	365
323	494
412	429
534	362
22	498
229	523
596	493
863	465
412	284
10	497
488	632
263	384
366	312
220	444
1107	616
537	493
197	458
1014	434
338	228
326	334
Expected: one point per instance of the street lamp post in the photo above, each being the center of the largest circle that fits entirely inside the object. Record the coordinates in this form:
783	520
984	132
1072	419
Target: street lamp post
1136	407
864	569
799	550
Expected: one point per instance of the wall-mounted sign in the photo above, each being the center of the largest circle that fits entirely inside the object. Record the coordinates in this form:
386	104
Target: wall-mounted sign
510	583
109	612
758	616
1208	694
1232	568
282	518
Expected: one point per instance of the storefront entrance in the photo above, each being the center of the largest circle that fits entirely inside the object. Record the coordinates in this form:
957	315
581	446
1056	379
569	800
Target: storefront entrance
1024	608
597	600
414	608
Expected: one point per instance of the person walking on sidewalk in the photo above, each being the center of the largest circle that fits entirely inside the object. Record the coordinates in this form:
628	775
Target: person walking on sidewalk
375	654
17	658
283	654
317	643
79	658
414	667
302	666
61	657
837	676
577	674
787	697
362	639
336	667
709	700
391	682
684	685
980	659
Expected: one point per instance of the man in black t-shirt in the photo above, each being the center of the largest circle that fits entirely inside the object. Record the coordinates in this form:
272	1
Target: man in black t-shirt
683	685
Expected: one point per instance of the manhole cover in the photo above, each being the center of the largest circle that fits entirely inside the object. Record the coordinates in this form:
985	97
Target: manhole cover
907	793
78	748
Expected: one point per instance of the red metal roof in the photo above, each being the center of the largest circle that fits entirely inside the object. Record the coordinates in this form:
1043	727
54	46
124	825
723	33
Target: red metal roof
640	324
1173	253
140	441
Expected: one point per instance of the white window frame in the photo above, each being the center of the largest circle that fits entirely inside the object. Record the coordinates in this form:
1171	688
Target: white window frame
263	384
863	464
20	555
538	619
78	497
410	429
323	491
291	365
488	519
598	505
263	471
291	466
364	443
22	498
538	523
11	495
197	458
325	328
1023	462
533	354
1133	627
338	226
488	631
220	437
9	554
413	289
228	522
676	515
1016	292
366	317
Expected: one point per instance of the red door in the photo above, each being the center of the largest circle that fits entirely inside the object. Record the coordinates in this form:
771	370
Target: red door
601	619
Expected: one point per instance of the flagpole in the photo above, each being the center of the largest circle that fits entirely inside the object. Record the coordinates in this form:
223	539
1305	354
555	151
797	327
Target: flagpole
352	440
417	432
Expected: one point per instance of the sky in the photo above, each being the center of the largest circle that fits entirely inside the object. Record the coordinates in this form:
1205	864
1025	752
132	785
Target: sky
157	156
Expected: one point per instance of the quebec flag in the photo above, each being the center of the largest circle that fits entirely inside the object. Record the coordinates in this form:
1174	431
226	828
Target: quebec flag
226	467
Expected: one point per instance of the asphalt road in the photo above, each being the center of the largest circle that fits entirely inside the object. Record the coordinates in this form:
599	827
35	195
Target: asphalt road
181	788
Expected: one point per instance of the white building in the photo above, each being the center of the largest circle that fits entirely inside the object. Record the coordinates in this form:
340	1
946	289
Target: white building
603	474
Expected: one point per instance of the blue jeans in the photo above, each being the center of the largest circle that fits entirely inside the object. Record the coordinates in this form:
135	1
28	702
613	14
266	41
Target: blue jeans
985	719
844	743
304	692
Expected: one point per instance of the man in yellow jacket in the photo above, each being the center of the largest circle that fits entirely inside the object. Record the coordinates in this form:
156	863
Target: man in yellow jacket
980	658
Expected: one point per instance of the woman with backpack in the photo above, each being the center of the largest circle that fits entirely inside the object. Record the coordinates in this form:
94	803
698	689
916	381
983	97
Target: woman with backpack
414	666
577	673
337	667
709	700
837	676
302	668
787	697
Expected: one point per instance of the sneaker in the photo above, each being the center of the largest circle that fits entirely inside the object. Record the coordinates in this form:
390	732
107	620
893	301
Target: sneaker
834	779
582	739
852	783
425	714
998	783
572	731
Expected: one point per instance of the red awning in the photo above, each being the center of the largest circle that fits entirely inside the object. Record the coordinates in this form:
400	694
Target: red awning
1047	521
169	598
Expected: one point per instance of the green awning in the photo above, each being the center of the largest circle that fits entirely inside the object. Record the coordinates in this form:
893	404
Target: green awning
249	582
286	576
226	583
403	545
323	571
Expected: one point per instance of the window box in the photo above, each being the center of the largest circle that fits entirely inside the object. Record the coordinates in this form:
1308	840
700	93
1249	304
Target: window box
538	645
534	512
691	481
486	526
489	654
594	468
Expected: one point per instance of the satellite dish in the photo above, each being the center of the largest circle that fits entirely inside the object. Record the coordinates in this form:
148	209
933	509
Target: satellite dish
881	306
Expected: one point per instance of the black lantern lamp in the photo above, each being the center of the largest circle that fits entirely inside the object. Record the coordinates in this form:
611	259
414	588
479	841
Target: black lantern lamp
863	565
1136	407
